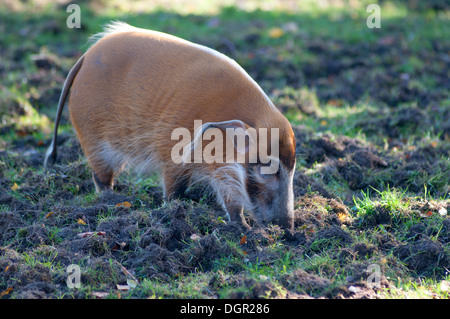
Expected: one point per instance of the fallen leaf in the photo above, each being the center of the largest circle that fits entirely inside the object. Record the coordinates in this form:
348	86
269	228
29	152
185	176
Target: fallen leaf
81	222
21	133
123	287
92	233
445	285
342	217
126	272
100	294
48	215
132	283
133	280
433	144
6	291
15	187
335	102
353	289
124	204
429	213
7	267
243	240
119	246
82	235
276	33
195	237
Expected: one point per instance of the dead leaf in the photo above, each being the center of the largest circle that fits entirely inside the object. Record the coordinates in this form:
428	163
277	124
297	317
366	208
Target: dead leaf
124	204
444	286
243	240
100	294
92	233
335	102
21	133
132	283
276	33
48	215
86	234
429	213
133	279
123	287
119	246
15	187
433	144
6	291
125	271
342	217
81	222
353	289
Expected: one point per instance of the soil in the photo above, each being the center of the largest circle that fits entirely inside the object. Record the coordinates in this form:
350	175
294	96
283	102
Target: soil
54	218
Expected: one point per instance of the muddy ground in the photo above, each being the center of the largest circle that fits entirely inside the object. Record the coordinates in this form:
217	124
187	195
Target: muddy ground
130	243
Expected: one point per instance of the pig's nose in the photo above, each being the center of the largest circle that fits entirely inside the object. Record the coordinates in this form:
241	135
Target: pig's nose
285	222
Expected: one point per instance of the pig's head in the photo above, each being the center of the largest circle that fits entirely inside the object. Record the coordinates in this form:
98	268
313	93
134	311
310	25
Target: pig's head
270	182
262	181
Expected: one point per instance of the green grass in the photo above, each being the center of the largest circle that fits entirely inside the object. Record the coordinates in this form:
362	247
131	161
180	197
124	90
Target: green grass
421	289
331	76
391	199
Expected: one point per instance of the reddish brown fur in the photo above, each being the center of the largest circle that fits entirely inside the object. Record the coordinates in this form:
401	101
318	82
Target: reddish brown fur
135	87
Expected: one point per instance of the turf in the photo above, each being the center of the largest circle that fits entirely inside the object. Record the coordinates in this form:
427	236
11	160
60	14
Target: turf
370	110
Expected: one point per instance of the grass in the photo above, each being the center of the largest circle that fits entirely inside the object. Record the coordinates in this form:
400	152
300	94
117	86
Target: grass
345	88
421	289
390	199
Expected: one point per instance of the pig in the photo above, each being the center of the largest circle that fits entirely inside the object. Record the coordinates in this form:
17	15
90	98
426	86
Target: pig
135	92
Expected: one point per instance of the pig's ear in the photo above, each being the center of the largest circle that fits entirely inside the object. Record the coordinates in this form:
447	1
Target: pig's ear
226	124
235	129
